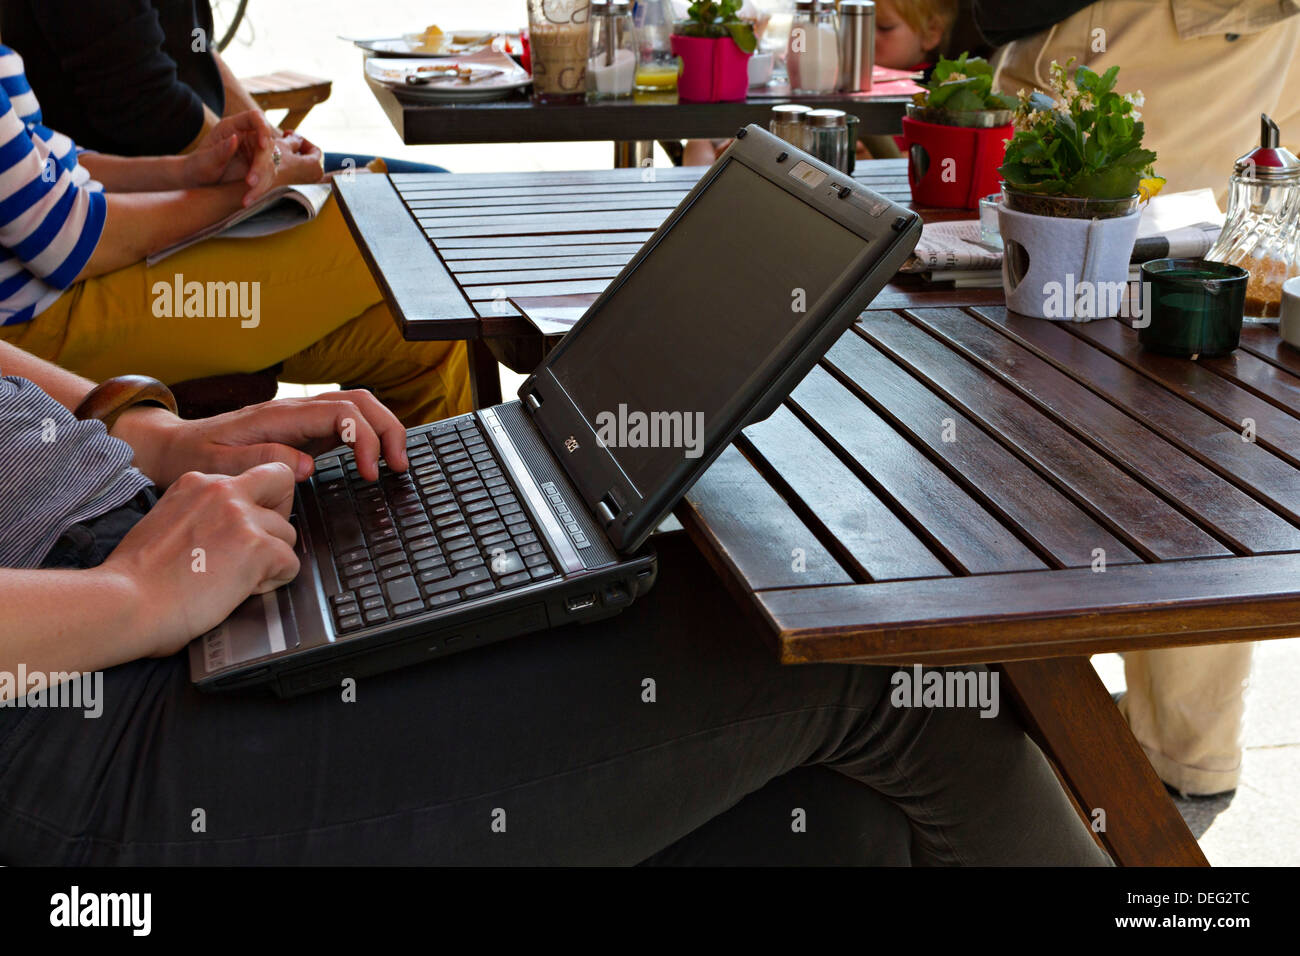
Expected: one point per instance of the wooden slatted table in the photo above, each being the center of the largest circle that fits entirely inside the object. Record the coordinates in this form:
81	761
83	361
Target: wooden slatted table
467	255
952	484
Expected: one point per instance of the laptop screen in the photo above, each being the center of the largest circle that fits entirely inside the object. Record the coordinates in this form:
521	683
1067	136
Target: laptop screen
745	268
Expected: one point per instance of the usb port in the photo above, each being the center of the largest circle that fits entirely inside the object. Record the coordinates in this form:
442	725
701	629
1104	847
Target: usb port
580	603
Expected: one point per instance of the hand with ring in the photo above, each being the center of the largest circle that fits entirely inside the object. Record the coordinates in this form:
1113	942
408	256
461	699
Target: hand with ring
238	148
297	161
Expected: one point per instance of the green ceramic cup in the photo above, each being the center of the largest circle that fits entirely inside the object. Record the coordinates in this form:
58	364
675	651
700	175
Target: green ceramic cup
1191	307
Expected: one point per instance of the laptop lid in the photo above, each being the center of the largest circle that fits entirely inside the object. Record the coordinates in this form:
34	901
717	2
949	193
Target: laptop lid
712	324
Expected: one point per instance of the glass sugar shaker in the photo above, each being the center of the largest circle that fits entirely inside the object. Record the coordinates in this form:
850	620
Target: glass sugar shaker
611	69
1261	233
813	57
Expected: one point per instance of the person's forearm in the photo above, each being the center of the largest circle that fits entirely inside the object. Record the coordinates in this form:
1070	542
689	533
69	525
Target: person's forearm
140	224
143	427
63	386
210	120
69	620
238	99
131	174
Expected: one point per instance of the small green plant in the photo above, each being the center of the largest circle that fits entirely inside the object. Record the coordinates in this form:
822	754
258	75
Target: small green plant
716	19
963	85
1086	143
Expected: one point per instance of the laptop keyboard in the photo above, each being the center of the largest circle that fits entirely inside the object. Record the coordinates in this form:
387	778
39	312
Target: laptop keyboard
448	530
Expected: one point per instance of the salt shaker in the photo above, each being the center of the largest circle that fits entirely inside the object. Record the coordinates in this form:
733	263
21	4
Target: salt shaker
827	137
787	122
1261	233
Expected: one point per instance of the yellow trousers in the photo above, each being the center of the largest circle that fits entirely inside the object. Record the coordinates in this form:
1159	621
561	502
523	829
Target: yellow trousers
317	310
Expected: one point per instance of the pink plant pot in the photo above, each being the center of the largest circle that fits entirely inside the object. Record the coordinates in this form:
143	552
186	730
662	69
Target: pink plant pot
714	70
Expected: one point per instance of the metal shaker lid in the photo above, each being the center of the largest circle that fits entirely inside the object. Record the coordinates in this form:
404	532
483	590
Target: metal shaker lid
790	112
857	8
1268	160
825	118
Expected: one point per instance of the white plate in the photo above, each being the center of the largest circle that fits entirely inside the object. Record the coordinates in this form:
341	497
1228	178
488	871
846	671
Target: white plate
404	47
392	73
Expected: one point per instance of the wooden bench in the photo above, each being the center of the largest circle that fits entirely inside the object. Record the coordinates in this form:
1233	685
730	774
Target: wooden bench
286	90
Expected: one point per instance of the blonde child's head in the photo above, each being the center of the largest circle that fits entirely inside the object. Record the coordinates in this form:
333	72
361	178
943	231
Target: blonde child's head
911	32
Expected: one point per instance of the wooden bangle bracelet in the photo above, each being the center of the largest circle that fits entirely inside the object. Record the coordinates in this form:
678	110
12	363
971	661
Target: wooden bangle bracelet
108	400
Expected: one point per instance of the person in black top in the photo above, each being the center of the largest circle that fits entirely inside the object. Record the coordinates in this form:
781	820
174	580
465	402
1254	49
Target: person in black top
128	77
1001	21
141	78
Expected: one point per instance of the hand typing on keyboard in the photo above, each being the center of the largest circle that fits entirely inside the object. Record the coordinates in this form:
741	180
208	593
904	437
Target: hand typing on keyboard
288	430
448	530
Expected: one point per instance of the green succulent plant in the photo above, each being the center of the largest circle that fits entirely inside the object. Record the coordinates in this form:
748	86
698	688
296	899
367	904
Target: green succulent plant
1085	142
963	85
716	19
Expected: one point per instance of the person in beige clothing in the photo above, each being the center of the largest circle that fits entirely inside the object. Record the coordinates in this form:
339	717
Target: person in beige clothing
1207	69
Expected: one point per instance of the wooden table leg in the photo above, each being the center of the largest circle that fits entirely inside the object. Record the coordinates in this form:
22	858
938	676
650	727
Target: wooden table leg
1068	711
484	375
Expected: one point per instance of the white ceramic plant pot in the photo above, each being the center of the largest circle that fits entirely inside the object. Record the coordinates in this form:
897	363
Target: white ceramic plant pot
1065	269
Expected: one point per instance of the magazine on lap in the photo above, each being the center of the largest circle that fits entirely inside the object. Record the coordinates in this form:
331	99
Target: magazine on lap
282	208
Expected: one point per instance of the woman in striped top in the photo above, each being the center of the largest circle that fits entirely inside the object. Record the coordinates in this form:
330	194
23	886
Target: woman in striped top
76	228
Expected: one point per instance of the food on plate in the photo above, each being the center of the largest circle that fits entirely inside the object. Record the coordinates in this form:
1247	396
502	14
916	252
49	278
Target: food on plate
432	40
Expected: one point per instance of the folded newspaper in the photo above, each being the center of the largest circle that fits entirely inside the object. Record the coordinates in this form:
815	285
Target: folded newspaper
1183	225
282	208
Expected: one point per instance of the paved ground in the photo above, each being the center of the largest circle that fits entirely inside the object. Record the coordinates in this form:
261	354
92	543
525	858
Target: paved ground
1259	825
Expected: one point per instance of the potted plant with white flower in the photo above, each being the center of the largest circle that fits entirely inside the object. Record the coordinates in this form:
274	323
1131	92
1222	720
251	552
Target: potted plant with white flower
1075	172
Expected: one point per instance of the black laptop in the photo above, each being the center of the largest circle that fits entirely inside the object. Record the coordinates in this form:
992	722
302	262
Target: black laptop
535	513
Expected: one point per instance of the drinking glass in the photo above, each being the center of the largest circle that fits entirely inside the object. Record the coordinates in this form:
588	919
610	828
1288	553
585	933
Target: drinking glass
559	39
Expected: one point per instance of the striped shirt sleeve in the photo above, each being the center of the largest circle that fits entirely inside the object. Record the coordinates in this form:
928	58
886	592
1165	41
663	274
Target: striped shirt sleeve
49	221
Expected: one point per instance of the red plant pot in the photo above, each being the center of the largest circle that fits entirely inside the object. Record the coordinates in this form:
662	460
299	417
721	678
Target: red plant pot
951	167
714	69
